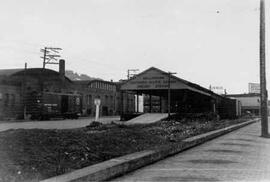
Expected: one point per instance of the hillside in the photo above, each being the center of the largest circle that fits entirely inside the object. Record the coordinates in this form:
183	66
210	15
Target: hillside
77	76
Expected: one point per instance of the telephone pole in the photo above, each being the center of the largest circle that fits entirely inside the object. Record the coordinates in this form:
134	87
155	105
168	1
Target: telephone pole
264	109
129	74
50	55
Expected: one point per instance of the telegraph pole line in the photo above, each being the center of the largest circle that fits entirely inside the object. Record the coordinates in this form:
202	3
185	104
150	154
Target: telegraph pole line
264	109
50	55
129	74
169	93
24	92
44	57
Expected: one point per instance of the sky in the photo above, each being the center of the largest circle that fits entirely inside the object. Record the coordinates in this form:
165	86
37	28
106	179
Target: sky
208	42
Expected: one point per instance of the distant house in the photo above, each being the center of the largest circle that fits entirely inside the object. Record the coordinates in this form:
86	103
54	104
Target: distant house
250	102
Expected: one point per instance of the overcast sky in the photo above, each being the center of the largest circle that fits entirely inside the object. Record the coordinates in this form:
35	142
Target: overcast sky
205	41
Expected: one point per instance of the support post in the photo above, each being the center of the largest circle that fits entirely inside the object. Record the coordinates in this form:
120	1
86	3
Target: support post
122	103
160	104
150	103
137	102
169	94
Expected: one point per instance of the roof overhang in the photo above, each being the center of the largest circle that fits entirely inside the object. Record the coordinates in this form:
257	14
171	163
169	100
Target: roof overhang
155	79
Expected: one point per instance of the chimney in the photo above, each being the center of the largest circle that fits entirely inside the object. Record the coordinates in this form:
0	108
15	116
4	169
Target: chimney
62	69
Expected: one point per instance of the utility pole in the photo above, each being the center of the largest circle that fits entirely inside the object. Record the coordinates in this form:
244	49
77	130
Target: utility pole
264	109
50	55
169	93
129	74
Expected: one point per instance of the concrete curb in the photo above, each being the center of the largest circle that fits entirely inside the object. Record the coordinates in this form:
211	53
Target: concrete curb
121	165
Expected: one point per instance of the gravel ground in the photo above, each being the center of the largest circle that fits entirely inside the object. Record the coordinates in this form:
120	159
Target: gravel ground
35	154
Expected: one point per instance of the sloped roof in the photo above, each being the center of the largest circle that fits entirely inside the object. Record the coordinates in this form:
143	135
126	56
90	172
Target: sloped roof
86	82
29	71
8	72
189	85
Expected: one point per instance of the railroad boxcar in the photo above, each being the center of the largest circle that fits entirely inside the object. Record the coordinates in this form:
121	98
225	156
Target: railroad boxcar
53	105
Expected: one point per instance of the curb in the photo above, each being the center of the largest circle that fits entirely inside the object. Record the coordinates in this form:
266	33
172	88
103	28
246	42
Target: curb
121	165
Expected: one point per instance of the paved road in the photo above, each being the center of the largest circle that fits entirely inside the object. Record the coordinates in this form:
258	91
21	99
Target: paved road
56	124
239	156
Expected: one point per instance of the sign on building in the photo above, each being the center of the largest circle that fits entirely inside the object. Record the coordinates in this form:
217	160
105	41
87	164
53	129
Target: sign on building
153	79
254	88
217	89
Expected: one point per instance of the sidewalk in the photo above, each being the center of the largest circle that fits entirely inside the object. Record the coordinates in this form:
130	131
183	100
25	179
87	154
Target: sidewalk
238	156
56	124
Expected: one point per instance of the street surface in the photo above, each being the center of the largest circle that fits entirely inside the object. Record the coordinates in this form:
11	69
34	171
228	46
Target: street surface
238	156
56	124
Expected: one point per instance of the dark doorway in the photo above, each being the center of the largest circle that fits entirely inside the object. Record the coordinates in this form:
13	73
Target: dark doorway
64	104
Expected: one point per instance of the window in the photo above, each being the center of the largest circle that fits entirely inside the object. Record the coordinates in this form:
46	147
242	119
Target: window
89	99
12	99
86	99
6	100
106	99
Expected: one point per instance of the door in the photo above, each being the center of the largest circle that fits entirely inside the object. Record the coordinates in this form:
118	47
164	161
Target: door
64	104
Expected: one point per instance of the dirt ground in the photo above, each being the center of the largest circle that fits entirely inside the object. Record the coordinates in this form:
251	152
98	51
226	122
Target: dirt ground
36	154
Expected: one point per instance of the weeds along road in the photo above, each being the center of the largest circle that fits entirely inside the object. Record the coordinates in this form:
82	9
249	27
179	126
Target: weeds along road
55	124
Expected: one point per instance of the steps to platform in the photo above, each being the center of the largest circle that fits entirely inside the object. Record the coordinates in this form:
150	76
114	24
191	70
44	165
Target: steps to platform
147	118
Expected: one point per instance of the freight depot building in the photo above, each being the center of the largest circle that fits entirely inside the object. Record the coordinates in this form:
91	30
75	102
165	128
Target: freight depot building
186	97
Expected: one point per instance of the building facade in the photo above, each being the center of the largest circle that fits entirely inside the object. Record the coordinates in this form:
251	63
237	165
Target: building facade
166	93
39	93
250	103
112	100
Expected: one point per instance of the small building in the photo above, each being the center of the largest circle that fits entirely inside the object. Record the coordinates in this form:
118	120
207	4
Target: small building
250	103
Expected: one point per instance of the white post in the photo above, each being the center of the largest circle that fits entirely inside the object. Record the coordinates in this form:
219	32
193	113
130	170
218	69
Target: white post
97	103
97	112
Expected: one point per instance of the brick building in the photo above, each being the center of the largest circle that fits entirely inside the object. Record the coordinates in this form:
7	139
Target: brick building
112	99
40	93
33	91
